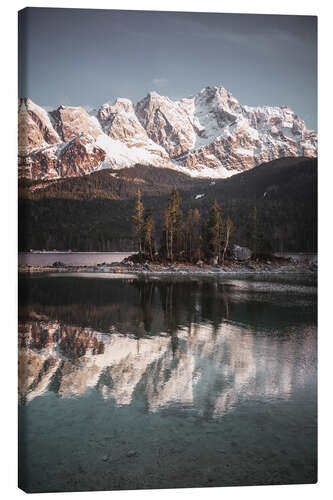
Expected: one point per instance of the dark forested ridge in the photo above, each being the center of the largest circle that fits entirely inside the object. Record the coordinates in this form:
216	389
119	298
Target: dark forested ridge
95	212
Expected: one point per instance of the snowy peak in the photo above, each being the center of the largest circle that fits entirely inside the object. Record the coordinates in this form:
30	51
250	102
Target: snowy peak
125	140
237	138
212	134
167	122
119	120
71	122
35	129
217	97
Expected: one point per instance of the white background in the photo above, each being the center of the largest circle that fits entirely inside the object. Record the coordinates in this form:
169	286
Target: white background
8	262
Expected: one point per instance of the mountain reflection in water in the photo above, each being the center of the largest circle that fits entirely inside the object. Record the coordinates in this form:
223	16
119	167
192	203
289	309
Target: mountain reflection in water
199	347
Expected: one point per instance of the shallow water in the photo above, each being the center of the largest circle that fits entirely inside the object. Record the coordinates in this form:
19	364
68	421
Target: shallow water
150	383
70	258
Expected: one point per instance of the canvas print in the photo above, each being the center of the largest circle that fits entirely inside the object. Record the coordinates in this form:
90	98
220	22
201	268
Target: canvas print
167	170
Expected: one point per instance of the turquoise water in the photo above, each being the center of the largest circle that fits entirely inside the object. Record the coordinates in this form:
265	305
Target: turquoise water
163	383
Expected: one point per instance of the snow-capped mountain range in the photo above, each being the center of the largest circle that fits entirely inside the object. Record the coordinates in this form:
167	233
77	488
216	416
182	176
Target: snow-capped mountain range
207	135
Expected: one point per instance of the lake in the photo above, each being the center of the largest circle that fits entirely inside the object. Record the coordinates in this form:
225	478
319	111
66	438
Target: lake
163	383
70	258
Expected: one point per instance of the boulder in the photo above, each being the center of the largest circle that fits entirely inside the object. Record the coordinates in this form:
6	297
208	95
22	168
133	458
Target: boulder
241	253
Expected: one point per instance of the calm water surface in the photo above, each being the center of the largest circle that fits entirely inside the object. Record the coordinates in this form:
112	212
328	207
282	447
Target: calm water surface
70	258
131	383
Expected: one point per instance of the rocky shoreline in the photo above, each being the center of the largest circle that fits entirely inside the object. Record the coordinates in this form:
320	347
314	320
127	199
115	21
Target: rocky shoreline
282	266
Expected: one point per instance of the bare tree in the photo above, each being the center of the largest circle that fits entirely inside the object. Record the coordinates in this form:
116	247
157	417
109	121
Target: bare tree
138	220
228	230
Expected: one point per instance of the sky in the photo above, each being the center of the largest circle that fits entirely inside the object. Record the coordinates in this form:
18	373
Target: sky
84	57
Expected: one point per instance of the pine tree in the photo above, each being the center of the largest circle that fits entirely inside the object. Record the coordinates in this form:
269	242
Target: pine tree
197	237
138	220
214	233
173	222
148	229
193	235
254	231
166	231
189	235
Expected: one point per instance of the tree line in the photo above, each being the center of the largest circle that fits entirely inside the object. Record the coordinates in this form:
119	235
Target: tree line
185	237
104	225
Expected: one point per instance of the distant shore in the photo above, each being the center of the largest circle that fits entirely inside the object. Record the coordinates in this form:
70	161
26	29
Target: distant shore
245	268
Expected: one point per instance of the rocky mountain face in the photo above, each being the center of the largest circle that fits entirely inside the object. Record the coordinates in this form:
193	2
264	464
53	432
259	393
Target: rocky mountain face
212	134
208	135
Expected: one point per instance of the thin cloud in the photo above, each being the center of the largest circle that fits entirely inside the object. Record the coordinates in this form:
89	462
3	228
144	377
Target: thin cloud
159	82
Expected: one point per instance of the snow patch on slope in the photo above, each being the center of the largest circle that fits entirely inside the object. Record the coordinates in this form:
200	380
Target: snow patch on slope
205	172
122	155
